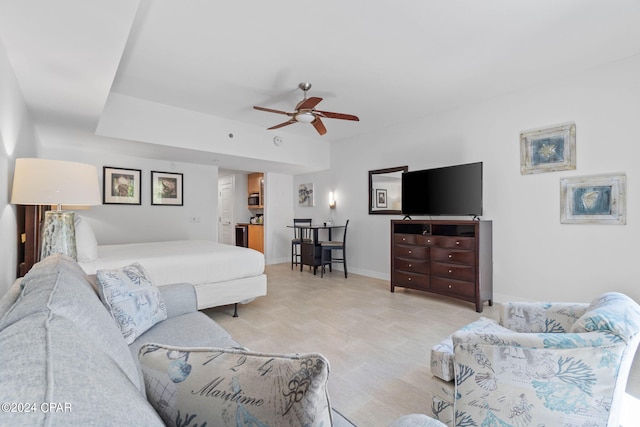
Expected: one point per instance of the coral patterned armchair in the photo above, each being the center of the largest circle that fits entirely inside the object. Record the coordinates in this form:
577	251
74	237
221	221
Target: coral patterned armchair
552	364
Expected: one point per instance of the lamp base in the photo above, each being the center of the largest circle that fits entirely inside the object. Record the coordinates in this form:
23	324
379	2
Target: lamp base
58	234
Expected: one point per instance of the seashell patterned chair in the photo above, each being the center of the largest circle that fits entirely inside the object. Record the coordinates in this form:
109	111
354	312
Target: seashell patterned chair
553	364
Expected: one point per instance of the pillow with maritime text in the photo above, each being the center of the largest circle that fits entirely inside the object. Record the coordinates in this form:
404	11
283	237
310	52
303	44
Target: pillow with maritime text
231	387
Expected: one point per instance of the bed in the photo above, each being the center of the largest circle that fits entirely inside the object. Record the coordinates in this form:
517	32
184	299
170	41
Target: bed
221	274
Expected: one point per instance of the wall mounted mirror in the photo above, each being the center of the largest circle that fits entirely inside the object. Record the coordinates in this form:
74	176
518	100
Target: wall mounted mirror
385	190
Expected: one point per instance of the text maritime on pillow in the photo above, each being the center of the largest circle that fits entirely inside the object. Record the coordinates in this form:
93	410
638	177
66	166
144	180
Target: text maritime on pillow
229	387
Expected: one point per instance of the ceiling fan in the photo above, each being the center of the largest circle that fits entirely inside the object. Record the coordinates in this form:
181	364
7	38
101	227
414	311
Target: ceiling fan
305	112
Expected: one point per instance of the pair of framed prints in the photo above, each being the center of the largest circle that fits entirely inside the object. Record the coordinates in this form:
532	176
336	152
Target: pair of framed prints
123	187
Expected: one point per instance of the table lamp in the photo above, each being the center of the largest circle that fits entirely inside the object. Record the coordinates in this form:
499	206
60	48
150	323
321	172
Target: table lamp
56	182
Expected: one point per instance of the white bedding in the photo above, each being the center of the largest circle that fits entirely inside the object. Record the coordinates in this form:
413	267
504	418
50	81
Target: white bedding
179	261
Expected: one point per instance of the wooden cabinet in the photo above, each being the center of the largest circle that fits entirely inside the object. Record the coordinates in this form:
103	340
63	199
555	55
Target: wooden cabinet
256	237
255	185
452	258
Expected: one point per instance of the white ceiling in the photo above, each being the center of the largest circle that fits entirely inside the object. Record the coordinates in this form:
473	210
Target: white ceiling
386	62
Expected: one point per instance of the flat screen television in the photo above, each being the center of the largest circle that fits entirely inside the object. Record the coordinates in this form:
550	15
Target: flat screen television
453	190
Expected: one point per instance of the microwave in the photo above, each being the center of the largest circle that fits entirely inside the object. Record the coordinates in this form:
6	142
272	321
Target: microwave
254	199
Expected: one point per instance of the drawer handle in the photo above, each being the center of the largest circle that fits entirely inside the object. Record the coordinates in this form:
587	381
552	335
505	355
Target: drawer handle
450	256
409	251
457	243
410	265
450	271
428	240
409	278
450	286
404	239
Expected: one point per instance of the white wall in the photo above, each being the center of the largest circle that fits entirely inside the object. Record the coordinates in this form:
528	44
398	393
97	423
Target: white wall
278	214
18	138
535	257
145	223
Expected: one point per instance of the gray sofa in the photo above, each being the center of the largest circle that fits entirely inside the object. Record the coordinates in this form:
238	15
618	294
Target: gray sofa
63	360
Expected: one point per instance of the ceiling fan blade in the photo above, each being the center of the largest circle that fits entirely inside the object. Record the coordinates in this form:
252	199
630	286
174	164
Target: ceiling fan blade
330	115
290	122
308	104
269	110
317	123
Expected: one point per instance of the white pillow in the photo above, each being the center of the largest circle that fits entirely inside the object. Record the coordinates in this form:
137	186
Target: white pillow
133	301
86	243
230	387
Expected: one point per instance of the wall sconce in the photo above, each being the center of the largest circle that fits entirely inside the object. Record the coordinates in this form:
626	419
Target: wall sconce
332	200
56	182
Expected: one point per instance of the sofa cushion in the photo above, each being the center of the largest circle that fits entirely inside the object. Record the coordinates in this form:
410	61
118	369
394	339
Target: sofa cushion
57	285
187	330
228	387
58	344
611	312
134	303
62	364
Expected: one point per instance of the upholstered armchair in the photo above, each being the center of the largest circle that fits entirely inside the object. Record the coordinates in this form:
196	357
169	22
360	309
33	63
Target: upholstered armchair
553	364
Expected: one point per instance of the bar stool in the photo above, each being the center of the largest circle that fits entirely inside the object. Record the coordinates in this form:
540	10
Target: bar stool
299	235
329	247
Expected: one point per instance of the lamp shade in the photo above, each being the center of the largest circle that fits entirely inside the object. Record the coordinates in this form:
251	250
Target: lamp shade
54	182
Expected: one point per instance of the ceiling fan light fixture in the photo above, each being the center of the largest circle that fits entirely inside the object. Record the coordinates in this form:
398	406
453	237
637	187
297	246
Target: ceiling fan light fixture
305	112
305	117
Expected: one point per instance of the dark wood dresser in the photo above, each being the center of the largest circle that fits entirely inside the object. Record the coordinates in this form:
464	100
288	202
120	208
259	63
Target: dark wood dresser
452	258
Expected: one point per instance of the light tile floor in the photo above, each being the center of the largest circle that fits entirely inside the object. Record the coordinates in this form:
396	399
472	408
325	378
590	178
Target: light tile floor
378	343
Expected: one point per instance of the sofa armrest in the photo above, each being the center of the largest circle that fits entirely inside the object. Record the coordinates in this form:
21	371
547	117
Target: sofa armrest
179	298
540	316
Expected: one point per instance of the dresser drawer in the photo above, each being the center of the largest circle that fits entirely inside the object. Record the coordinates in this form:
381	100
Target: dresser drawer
453	256
411	265
454	242
417	252
413	239
405	239
452	286
411	280
453	271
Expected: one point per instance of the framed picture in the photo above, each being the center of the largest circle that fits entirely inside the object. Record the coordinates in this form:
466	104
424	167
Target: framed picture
305	195
598	199
548	150
166	188
120	186
381	198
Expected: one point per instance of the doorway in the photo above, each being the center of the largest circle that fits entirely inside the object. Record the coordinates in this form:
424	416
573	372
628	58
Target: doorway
225	209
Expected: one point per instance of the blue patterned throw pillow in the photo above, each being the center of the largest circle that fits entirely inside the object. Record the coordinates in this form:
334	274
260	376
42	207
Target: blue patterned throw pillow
231	387
133	301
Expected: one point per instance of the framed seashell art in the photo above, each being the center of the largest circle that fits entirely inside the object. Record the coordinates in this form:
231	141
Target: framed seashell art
596	199
548	149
